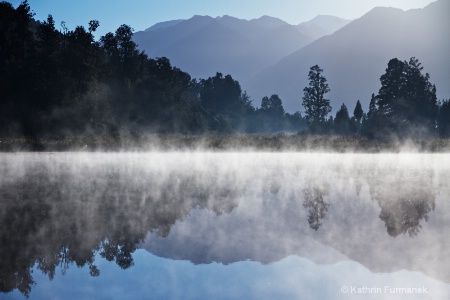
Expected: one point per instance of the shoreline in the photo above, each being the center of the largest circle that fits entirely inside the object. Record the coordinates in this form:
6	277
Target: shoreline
245	142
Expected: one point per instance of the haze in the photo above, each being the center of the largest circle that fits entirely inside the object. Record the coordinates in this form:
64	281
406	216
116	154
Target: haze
380	213
141	14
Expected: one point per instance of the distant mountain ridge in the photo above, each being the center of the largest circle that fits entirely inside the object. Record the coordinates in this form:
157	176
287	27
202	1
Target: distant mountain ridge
203	45
355	56
322	25
269	56
164	24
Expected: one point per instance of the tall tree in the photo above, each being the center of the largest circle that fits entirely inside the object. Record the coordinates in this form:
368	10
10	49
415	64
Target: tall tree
358	112
443	120
17	65
273	105
342	120
406	99
372	107
224	95
373	126
316	106
271	114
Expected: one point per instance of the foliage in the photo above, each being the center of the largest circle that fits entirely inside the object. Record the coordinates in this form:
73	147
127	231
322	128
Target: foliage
271	114
407	100
223	95
62	83
273	106
342	120
59	84
443	120
358	112
316	106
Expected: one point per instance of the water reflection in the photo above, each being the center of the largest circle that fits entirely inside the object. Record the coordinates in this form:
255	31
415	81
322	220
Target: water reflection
313	201
403	211
60	210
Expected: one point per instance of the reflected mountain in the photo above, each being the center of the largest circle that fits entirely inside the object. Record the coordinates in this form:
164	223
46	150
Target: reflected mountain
60	210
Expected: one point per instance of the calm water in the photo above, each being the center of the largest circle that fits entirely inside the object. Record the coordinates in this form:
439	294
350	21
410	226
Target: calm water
224	226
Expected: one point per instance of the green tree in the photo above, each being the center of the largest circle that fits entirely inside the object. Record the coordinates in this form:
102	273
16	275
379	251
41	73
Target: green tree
316	106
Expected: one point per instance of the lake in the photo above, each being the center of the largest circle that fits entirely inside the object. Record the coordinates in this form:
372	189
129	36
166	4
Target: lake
224	225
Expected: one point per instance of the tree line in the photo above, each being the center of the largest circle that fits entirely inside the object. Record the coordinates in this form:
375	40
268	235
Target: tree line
405	106
61	82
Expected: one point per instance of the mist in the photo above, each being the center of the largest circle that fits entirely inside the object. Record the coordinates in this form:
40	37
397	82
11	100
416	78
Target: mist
384	212
140	174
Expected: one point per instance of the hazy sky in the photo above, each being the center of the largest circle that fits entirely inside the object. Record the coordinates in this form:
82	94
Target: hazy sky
141	14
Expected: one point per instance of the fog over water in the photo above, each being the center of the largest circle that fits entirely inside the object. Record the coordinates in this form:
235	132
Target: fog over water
355	219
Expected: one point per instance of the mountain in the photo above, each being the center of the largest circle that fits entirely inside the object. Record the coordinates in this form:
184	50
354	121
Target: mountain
322	25
152	41
164	25
203	45
355	56
208	50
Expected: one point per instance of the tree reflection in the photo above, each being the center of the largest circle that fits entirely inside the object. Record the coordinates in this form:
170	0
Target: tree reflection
52	219
120	253
405	201
317	207
405	216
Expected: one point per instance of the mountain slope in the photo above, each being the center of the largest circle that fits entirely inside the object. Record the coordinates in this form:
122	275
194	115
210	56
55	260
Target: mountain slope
203	45
210	49
164	25
354	57
152	41
322	25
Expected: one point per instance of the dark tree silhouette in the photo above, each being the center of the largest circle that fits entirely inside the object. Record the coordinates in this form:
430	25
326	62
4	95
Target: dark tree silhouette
271	114
295	122
224	96
372	125
316	106
63	84
342	120
273	105
443	120
372	107
358	112
17	67
407	100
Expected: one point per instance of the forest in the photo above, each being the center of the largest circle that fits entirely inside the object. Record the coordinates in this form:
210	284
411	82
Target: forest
62	83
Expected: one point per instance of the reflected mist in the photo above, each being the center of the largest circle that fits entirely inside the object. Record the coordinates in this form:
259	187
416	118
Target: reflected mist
387	212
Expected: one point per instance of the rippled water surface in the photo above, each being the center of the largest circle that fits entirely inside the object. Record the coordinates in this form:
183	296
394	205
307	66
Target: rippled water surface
224	226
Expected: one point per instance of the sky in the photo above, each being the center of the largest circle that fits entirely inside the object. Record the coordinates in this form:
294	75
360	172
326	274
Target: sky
141	14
